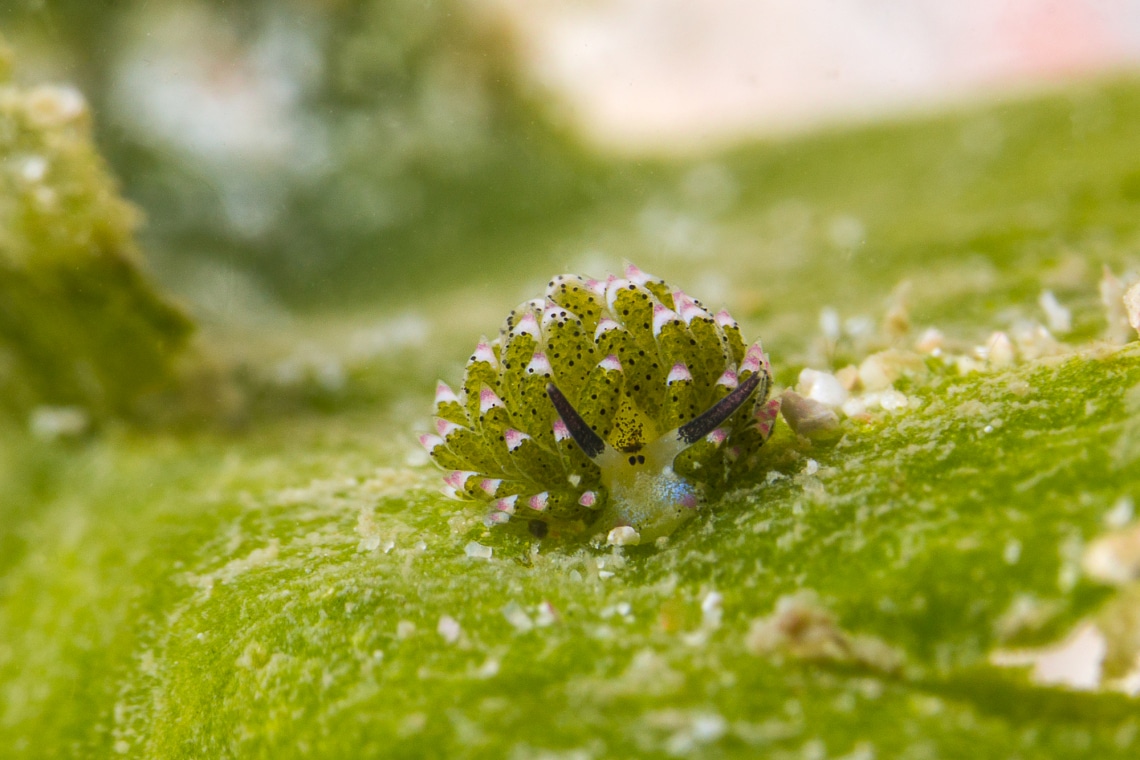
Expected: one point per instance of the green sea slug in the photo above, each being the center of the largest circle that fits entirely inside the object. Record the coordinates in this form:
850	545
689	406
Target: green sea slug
613	405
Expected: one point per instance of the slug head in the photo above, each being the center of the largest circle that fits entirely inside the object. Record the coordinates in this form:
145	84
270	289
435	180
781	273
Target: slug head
645	492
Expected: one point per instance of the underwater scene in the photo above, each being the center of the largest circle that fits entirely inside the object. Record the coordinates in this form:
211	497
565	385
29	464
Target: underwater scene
569	380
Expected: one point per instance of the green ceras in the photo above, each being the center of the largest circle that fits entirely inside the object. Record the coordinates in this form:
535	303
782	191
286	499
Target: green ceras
604	404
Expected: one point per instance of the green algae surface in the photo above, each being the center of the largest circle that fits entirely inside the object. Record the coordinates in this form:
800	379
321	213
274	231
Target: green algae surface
301	588
80	324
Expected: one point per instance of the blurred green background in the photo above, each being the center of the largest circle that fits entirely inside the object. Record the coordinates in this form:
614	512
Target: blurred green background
317	153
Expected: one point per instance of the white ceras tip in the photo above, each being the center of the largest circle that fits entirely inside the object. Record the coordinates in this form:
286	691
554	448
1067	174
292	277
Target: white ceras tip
613	287
457	479
611	364
687	308
728	379
604	326
561	432
754	359
539	501
539	365
724	319
483	353
489	400
527	325
444	394
662	315
588	499
490	486
505	504
552	312
446	427
597	287
514	438
679	373
634	274
430	442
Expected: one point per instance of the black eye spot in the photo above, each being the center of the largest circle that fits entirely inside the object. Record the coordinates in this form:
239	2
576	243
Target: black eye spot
633	460
640	459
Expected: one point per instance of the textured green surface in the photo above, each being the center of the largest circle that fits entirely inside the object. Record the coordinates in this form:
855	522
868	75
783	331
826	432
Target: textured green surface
303	589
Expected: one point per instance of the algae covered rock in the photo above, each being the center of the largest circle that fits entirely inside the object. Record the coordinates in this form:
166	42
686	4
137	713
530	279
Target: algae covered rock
80	324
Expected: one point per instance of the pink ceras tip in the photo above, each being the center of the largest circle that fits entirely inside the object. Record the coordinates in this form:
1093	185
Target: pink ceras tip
514	438
679	373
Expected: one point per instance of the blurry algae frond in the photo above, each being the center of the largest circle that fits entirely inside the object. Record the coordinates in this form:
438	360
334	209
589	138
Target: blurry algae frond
80	324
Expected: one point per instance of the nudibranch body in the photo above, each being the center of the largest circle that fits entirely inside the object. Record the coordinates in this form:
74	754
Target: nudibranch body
603	405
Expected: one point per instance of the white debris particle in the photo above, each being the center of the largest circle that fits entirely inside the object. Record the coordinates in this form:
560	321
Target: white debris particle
34	168
1114	558
930	341
545	614
476	550
708	727
811	468
517	617
859	326
605	574
814	749
999	351
848	377
1112	291
1012	551
1034	341
51	106
405	629
874	374
711	610
853	407
806	416
449	629
893	401
488	669
829	323
48	423
1132	306
800	626
1058	318
773	476
1120	514
122	747
823	387
1075	662
623	535
965	365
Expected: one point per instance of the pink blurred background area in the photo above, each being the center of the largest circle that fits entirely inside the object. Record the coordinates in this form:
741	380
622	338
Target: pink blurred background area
676	75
